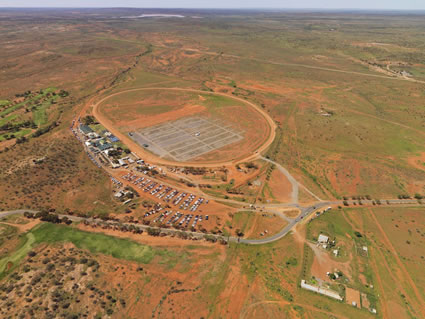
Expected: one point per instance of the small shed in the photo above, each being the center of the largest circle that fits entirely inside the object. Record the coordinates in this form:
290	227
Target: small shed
105	146
85	129
122	163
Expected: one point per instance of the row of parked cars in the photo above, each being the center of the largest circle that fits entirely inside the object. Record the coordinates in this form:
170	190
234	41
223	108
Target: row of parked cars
177	218
166	193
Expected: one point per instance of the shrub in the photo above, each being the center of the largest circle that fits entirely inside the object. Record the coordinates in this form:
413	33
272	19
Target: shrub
153	231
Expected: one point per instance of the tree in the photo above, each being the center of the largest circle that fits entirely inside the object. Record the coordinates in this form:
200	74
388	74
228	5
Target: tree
66	220
89	119
153	231
63	93
28	215
358	234
239	233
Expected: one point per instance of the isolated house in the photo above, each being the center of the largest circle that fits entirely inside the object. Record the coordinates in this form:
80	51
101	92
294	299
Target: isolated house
323	239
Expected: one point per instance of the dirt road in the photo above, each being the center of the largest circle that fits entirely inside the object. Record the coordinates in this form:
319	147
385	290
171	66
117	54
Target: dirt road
136	148
307	66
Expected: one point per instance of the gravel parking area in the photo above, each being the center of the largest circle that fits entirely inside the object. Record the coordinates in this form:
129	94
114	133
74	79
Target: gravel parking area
186	138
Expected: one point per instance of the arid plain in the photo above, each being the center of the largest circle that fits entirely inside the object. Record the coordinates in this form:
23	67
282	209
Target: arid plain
273	149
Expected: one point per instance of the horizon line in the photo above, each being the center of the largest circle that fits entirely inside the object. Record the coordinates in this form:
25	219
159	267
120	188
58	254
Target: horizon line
214	8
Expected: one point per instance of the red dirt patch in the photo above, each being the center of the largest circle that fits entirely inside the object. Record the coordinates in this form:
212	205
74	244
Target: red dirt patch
351	296
323	263
280	186
417	161
24	227
146	121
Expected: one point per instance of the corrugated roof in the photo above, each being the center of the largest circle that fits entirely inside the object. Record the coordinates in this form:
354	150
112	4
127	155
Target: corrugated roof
85	129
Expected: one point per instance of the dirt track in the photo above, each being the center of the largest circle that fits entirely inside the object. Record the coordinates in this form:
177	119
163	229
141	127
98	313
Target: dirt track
399	78
400	264
245	313
150	157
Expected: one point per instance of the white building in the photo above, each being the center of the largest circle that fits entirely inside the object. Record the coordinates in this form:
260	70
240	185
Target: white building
323	239
322	291
121	162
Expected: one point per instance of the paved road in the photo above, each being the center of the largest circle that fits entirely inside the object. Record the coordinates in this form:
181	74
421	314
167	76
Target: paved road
140	226
198	235
291	179
305	212
295	184
13	212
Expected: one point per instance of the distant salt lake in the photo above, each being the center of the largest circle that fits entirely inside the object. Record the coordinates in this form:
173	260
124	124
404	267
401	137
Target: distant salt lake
154	16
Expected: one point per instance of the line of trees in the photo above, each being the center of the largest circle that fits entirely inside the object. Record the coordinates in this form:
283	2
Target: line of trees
46	216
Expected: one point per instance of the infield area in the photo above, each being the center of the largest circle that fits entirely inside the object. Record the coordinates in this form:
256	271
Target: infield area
186	138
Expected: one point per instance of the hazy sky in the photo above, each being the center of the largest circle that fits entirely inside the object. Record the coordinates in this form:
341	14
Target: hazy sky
325	4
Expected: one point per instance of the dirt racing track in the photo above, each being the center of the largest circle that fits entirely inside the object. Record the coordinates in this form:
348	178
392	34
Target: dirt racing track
181	158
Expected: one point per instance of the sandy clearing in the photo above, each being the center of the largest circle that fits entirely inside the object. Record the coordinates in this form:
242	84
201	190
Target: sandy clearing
323	263
147	121
417	161
351	296
280	186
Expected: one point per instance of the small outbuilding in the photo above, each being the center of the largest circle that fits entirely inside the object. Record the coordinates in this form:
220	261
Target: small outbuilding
122	163
85	129
105	146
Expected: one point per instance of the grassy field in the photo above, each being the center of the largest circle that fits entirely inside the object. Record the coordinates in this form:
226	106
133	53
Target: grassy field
30	111
243	220
5	232
93	242
17	255
100	244
394	241
396	244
